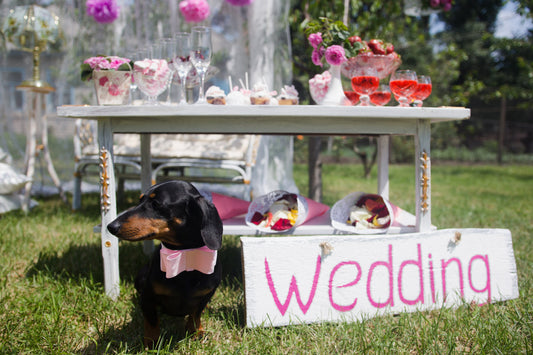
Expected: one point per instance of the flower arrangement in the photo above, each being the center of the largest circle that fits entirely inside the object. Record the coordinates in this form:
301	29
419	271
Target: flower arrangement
333	43
104	63
103	11
194	10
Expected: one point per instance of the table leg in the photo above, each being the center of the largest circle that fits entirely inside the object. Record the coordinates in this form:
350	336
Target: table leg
423	176
108	204
383	166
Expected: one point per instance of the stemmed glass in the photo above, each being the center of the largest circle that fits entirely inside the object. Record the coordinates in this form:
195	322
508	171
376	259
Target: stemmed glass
152	75
168	52
200	57
364	82
423	90
181	62
381	96
403	84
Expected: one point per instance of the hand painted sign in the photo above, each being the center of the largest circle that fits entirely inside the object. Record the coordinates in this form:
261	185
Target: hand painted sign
291	280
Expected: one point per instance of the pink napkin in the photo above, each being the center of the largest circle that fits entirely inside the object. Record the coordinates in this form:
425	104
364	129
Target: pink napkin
229	207
315	209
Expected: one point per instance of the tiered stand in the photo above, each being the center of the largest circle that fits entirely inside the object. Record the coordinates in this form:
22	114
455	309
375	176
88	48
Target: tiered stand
316	120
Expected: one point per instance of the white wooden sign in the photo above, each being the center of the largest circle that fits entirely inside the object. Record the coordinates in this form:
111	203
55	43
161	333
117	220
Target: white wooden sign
291	280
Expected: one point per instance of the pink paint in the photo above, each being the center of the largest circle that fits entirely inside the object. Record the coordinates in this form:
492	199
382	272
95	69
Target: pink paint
485	259
388	265
381	297
432	279
418	264
460	272
336	306
293	288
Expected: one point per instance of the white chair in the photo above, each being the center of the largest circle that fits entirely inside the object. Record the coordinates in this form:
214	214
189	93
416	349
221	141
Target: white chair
200	158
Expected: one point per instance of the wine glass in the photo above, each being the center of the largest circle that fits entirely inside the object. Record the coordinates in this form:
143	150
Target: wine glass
181	62
200	55
423	90
403	84
381	96
168	52
364	82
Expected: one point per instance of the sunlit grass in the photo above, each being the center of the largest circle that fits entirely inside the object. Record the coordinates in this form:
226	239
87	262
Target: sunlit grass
52	298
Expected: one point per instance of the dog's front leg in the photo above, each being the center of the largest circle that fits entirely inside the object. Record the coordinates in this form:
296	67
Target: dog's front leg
151	333
194	325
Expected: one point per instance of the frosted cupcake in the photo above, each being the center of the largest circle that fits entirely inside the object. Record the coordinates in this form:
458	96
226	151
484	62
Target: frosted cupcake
260	95
215	96
288	96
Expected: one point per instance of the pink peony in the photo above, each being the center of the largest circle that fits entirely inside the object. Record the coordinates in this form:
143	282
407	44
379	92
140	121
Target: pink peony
335	55
103	11
194	10
315	39
239	2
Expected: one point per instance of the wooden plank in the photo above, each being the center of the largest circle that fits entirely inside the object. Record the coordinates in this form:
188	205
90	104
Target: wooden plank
292	280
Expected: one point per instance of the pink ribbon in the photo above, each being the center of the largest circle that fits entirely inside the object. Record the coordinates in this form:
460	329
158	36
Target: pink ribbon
174	262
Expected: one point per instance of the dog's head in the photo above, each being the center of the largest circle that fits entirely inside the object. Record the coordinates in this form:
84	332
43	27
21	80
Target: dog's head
173	212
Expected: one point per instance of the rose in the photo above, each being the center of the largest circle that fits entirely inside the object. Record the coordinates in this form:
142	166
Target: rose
315	39
317	56
335	55
194	10
103	11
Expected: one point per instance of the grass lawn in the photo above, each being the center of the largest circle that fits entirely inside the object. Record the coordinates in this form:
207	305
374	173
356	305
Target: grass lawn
52	298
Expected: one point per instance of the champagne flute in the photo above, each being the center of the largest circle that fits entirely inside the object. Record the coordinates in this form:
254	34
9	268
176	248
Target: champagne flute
364	82
403	84
201	51
423	90
168	52
181	62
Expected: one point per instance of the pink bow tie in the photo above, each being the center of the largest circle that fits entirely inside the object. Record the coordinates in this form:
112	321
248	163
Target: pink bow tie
174	262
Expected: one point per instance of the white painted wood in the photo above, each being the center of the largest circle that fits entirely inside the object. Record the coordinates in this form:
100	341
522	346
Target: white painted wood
293	280
383	166
422	145
109	241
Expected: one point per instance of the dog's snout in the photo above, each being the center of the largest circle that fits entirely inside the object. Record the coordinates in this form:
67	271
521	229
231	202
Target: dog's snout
113	227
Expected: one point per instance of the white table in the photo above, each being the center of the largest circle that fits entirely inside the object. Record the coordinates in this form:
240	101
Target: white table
274	120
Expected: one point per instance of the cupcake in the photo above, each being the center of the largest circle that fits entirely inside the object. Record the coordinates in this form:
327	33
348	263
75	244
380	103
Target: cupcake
215	96
288	96
260	95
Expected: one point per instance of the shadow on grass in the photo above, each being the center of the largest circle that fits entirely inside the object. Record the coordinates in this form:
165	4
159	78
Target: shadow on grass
84	262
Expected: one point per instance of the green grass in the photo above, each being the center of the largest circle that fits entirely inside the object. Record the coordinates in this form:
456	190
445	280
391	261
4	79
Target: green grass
52	298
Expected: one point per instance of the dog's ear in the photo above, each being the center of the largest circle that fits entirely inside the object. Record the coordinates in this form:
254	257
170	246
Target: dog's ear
211	229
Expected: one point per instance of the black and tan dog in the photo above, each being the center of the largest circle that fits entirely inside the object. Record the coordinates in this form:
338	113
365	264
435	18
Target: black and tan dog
183	273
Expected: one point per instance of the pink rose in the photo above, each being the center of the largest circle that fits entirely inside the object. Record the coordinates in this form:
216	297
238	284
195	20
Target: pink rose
315	39
317	55
335	55
194	10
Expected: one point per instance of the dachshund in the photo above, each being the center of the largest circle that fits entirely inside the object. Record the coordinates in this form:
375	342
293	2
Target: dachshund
183	273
